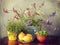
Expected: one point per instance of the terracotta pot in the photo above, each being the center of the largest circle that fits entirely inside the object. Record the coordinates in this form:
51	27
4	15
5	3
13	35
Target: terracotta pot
10	42
11	35
41	38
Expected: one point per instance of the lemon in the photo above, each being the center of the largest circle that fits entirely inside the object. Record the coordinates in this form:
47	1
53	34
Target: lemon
21	35
30	35
28	38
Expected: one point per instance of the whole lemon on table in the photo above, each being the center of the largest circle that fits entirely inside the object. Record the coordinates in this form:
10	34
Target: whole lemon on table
28	38
21	35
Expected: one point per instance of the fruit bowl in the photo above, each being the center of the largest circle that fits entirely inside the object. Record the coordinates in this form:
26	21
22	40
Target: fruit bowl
24	41
25	37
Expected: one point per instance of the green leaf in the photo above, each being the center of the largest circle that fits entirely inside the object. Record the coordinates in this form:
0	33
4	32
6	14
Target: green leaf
43	33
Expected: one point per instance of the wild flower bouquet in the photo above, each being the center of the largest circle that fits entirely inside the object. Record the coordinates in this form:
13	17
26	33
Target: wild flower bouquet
31	16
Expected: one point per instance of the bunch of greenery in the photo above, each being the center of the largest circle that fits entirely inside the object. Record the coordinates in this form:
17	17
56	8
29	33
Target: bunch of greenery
43	33
35	13
38	23
14	26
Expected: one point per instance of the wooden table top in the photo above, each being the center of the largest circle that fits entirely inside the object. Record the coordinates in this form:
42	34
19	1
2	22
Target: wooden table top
51	40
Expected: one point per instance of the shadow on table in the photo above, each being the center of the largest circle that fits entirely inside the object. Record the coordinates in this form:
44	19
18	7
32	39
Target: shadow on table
51	40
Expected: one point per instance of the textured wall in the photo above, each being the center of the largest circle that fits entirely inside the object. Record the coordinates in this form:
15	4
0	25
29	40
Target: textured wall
50	5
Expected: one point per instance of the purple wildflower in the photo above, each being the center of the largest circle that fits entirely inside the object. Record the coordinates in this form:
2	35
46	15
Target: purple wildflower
49	23
53	14
46	22
28	22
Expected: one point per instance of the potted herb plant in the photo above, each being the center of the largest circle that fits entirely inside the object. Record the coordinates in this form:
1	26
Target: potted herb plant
13	28
41	35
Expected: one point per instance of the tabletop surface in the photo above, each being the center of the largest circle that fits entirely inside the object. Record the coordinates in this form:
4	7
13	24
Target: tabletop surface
51	40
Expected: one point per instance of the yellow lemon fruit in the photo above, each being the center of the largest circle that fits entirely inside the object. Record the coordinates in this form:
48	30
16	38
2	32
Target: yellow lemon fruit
28	38
30	35
21	35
